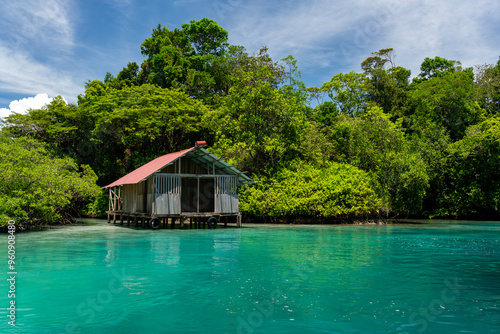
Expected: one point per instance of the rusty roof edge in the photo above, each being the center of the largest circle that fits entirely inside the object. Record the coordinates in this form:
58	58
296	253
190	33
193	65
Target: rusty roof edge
186	151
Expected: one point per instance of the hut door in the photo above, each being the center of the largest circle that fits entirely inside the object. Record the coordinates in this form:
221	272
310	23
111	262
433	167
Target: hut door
167	189
226	194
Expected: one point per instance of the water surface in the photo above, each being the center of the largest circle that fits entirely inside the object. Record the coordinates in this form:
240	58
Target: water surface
441	277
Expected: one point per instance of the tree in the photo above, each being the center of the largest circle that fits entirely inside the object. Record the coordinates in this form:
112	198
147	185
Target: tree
183	58
432	145
378	60
447	101
206	37
386	88
36	187
348	91
377	145
258	126
129	74
60	125
331	190
488	87
436	67
472	187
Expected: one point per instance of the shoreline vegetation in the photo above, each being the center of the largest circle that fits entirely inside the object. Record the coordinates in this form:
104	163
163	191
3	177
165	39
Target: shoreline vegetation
380	143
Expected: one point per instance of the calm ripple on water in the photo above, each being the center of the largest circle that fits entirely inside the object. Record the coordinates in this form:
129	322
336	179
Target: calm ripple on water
439	277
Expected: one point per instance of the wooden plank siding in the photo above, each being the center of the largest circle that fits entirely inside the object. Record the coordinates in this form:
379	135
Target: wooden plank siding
226	194
131	198
167	190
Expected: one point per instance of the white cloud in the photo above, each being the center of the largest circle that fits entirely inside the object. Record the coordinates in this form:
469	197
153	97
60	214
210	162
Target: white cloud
335	36
35	47
22	106
47	23
4	112
19	73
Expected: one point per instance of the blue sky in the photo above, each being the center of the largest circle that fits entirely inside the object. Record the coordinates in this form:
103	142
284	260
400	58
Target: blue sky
52	47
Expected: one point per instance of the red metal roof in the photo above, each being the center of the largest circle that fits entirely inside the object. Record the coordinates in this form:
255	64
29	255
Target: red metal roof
151	167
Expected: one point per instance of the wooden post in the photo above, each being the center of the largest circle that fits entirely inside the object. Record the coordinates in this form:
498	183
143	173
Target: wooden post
114	218
225	221
181	223
128	220
172	223
121	219
109	218
190	222
238	220
136	222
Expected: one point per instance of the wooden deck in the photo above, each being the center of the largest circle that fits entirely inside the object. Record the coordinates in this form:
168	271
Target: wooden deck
183	220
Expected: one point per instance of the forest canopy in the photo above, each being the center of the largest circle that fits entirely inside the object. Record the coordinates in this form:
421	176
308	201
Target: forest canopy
380	141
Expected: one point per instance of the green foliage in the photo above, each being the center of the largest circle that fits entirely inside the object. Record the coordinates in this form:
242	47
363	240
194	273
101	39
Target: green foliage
432	146
184	58
129	74
445	101
99	206
258	126
377	145
488	87
334	190
114	130
473	186
386	88
348	91
58	124
436	67
35	187
378	60
206	36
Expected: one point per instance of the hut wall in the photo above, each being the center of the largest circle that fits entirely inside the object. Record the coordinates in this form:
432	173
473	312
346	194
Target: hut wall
187	167
130	196
149	195
226	194
167	190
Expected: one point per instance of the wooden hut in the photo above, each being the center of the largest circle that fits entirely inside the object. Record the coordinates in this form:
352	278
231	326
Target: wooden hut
191	184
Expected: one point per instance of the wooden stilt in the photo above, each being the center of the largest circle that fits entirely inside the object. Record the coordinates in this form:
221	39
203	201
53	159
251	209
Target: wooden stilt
109	218
190	222
114	218
172	223
121	219
225	221
238	220
181	223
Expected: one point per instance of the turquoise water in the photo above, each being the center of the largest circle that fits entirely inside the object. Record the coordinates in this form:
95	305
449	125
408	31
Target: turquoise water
99	278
